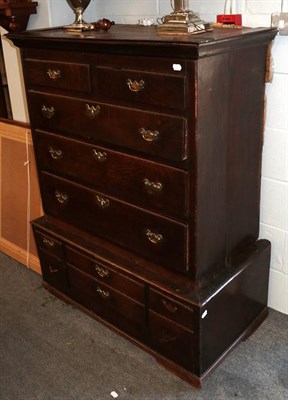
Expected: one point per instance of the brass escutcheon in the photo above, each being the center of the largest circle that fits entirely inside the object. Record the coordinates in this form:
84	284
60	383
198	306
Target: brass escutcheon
99	155
103	273
54	74
102	202
166	337
57	154
169	306
149	136
48	242
61	197
92	111
152	187
52	270
153	237
47	112
103	293
135	86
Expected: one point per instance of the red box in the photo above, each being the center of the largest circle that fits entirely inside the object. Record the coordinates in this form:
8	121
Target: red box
230	19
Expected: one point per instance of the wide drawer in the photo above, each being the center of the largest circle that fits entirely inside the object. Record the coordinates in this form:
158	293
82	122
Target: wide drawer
58	75
105	274
161	90
109	304
53	271
138	181
170	308
157	134
171	340
156	238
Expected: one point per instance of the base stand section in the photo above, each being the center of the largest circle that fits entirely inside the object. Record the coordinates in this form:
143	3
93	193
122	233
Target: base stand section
188	330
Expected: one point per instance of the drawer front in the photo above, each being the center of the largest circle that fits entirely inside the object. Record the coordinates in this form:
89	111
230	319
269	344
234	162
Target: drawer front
159	239
48	243
58	75
140	87
170	308
171	340
109	304
105	274
152	133
147	184
53	271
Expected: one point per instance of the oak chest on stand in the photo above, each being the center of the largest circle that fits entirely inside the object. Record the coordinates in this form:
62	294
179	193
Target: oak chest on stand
148	152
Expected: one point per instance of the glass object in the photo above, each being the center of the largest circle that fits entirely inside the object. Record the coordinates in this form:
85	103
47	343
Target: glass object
78	6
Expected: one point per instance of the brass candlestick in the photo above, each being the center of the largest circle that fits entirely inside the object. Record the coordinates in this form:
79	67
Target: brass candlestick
182	20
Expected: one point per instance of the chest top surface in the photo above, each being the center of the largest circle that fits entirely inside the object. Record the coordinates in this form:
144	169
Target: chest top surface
136	39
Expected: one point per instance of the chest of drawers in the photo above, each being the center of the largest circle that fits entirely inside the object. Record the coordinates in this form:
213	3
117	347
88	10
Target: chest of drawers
148	152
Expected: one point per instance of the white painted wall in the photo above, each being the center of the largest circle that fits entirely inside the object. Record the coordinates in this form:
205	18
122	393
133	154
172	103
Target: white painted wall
62	14
43	17
274	198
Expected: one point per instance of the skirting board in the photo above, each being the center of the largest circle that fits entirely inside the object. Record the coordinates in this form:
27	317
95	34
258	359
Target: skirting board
20	255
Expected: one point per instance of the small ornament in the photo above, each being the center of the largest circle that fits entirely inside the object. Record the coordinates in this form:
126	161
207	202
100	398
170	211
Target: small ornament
104	24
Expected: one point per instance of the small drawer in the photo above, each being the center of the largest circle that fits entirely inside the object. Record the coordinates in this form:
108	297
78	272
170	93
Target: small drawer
140	87
170	308
53	271
107	275
109	304
48	243
159	239
135	180
161	135
171	340
58	75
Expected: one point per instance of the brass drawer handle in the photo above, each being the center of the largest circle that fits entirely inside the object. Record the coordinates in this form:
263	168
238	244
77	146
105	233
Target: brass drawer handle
92	111
47	112
54	74
149	136
103	273
61	197
153	237
152	187
166	337
135	86
99	155
102	202
103	293
169	306
57	154
52	270
48	242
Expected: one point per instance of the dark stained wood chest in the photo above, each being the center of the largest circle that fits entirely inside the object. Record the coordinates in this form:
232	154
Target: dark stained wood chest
148	151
